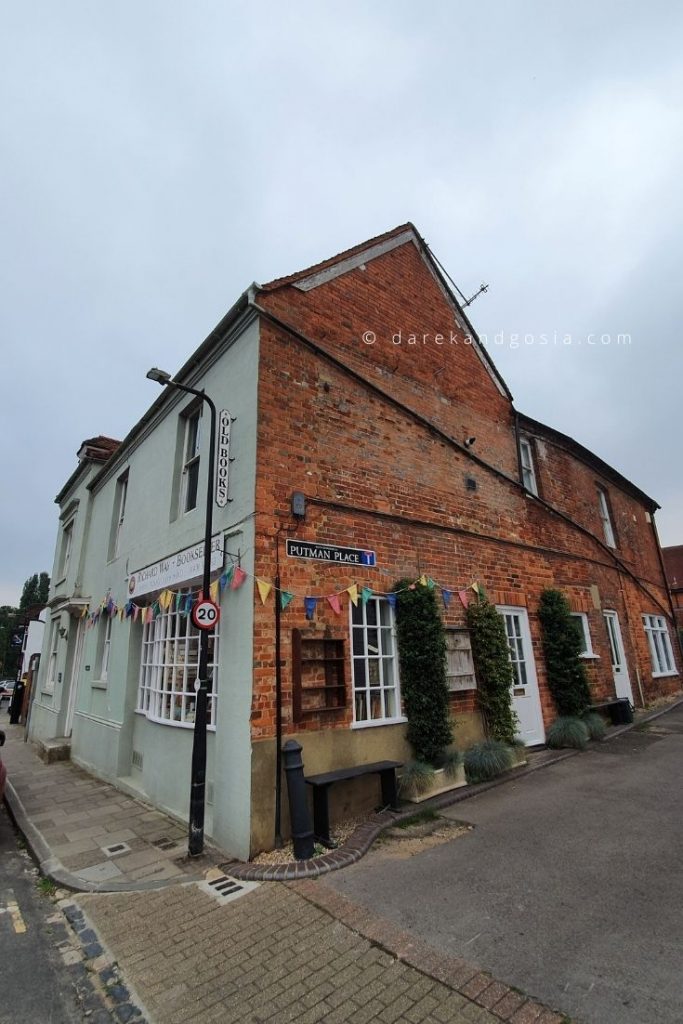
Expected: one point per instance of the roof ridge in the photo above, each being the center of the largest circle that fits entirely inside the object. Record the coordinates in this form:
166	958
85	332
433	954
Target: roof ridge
282	282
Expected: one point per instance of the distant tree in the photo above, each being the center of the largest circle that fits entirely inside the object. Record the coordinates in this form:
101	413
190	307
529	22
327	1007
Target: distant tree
9	652
35	591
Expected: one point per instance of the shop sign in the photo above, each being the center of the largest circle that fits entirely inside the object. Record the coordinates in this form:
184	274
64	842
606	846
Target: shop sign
178	568
223	458
330	553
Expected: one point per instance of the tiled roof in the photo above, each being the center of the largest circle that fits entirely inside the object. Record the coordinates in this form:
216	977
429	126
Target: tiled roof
673	563
98	448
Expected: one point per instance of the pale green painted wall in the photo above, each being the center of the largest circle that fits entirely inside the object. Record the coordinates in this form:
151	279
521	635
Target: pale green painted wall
106	728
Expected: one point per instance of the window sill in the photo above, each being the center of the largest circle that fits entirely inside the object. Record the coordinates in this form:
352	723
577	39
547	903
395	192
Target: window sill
378	721
48	691
590	657
167	721
58	583
99	684
663	675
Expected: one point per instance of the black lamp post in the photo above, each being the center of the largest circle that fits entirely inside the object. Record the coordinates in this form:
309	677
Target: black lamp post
198	778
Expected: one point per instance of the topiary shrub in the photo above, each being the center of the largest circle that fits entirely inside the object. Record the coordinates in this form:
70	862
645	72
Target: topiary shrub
486	760
422	659
567	731
416	778
595	723
562	646
494	672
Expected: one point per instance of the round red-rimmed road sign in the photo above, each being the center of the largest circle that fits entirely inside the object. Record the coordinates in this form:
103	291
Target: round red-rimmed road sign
205	614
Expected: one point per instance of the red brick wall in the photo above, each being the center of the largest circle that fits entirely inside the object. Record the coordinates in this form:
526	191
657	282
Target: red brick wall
376	478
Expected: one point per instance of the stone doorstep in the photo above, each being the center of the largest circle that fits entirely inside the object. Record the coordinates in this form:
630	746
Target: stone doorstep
50	751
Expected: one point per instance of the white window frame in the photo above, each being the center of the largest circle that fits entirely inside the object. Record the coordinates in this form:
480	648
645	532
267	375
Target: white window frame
459	681
65	554
607	527
528	469
588	651
51	674
106	650
122	489
169	665
374	658
661	652
191	457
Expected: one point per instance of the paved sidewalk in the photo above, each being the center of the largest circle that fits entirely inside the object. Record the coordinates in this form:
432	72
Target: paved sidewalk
71	821
295	952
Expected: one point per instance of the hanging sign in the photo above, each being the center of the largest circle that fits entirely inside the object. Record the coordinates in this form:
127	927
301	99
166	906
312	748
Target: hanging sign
223	458
205	614
178	568
330	553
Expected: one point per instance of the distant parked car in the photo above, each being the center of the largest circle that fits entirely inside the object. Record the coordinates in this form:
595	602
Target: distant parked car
3	770
6	690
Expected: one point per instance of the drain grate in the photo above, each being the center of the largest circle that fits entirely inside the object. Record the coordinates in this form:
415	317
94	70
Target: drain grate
115	849
224	888
165	843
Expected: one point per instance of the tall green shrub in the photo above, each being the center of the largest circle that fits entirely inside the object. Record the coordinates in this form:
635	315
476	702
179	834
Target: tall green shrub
494	672
422	659
562	646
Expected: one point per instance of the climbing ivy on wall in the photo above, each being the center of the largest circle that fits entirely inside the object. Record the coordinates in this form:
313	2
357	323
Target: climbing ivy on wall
422	659
494	672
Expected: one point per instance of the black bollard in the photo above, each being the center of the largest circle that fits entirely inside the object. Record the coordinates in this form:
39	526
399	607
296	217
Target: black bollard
299	814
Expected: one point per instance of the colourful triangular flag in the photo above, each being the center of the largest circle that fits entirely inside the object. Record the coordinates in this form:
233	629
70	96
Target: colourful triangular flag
213	591
366	594
136	612
446	595
335	603
423	580
310	604
165	598
238	578
465	597
285	598
352	591
226	578
391	598
430	583
263	589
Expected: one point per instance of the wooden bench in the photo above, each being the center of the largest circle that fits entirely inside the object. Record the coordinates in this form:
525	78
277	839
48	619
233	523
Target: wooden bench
321	784
619	710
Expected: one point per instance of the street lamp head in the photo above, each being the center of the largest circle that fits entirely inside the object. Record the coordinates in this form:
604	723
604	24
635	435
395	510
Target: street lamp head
160	376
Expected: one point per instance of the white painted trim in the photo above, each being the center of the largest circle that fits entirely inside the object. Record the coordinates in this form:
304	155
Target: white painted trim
306	284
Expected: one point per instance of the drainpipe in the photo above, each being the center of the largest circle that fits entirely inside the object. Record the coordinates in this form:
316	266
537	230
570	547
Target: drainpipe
278	702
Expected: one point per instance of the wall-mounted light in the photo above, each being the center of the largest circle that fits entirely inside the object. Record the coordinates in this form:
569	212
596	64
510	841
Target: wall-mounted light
62	632
469	441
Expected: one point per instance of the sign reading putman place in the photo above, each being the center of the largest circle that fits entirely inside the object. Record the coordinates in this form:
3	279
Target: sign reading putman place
330	553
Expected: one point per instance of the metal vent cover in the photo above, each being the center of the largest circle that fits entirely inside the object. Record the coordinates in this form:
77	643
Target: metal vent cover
137	759
224	889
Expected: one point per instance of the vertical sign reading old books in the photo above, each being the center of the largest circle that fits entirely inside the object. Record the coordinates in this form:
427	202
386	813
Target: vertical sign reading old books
223	458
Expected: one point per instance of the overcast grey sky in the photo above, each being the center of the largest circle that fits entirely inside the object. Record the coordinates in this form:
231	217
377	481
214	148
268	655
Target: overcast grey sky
159	156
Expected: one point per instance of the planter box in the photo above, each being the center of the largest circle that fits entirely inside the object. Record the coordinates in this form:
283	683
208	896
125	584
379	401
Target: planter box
441	783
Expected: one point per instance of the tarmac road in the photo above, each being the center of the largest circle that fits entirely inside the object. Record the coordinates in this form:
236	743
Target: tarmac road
570	885
35	986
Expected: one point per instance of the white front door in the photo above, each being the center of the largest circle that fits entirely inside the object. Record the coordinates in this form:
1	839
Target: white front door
622	683
73	683
526	701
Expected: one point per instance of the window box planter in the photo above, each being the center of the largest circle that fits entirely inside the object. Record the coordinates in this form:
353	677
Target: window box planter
441	783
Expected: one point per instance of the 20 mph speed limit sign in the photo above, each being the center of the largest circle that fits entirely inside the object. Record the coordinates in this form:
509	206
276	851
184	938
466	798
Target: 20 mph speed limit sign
205	614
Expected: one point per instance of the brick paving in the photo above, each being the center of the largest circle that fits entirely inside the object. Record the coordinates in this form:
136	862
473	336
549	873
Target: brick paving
271	955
